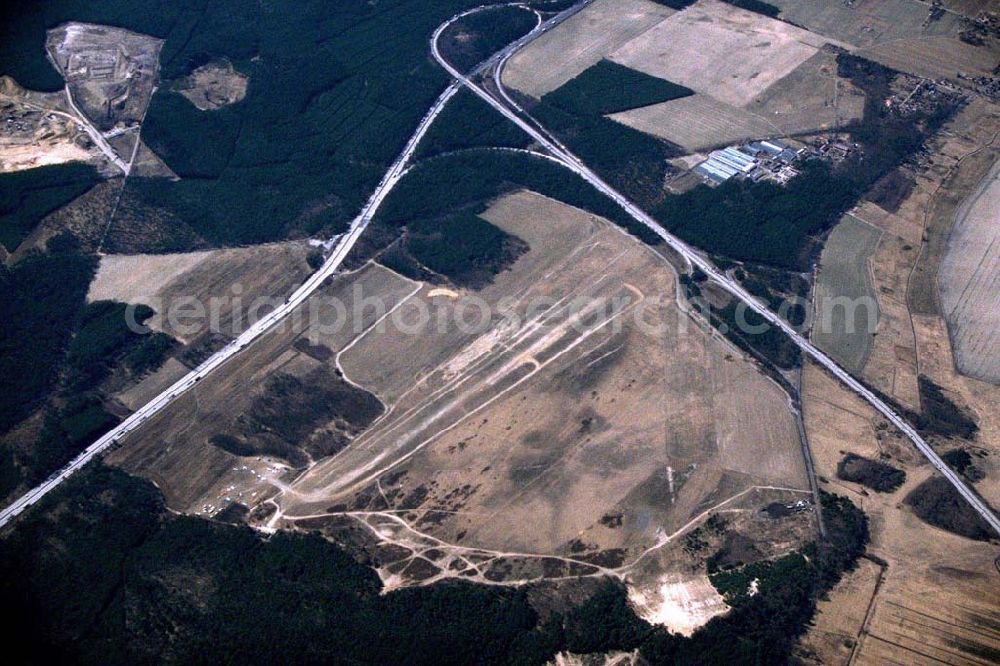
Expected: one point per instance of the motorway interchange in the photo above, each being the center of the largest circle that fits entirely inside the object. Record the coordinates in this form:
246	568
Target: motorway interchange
557	152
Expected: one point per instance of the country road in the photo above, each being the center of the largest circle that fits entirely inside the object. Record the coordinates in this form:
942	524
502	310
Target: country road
391	178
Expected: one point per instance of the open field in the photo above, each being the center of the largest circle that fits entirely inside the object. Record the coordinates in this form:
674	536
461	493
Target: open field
236	277
522	423
714	48
964	157
586	408
697	122
811	98
580	42
844	272
969	281
940	596
934	57
866	22
839	617
895	33
905	263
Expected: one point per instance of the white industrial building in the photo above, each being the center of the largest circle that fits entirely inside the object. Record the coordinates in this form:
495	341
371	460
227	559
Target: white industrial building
722	165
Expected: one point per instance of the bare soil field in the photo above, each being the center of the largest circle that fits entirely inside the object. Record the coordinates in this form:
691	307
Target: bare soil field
904	266
214	85
36	130
845	273
969	281
940	596
714	48
964	155
547	424
698	122
891	363
176	452
574	433
241	280
580	42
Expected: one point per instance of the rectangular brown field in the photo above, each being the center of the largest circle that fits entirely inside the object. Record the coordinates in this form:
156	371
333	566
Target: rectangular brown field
581	41
714	48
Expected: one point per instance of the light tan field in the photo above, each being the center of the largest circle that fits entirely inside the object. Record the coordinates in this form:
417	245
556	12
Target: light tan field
246	280
939	601
867	22
714	48
812	98
697	122
891	362
904	266
174	451
539	422
969	281
581	41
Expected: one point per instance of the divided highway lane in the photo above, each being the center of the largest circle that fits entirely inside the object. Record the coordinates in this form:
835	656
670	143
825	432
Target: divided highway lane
573	163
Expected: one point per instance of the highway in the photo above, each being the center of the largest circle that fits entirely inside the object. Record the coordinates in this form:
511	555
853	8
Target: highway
391	178
342	248
570	161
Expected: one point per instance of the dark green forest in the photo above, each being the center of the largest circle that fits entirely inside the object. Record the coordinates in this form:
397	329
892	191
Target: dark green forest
632	161
474	38
608	87
100	572
469	122
28	196
335	90
41	302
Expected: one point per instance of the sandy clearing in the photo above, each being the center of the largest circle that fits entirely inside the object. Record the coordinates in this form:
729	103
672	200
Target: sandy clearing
679	603
714	48
581	41
969	282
